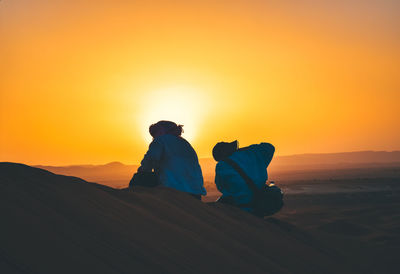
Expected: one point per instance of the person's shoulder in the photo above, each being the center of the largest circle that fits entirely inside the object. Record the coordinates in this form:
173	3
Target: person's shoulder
174	141
255	148
162	140
264	146
156	143
267	146
156	140
221	165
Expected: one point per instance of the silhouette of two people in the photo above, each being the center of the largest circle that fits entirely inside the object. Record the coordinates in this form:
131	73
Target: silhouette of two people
171	161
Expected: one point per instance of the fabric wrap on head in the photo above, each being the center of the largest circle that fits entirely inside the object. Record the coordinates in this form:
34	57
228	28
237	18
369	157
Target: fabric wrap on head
167	126
223	150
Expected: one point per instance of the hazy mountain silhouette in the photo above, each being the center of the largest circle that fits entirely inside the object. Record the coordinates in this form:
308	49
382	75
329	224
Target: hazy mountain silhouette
59	224
117	175
312	161
114	174
358	157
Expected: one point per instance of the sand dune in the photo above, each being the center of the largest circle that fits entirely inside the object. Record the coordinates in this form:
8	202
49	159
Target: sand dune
363	225
59	224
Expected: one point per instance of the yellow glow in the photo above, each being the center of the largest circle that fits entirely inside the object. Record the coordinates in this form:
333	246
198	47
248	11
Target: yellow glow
81	81
180	104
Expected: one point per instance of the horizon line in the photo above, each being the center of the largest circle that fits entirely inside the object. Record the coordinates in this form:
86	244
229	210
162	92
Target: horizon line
135	164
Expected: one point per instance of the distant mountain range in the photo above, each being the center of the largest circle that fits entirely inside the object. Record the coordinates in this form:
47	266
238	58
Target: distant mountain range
359	157
116	174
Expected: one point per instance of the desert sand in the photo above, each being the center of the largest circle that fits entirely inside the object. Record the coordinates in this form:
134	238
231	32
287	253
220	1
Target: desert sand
356	212
60	224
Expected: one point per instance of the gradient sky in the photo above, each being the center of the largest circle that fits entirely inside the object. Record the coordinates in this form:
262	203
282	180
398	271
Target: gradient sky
81	82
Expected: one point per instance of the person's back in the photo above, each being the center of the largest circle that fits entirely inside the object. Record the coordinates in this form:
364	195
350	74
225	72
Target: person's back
175	161
177	164
254	161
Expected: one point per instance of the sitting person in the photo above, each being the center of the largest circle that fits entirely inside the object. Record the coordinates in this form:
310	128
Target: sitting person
173	160
253	160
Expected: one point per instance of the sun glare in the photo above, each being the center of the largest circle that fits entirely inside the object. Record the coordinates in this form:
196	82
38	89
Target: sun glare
182	105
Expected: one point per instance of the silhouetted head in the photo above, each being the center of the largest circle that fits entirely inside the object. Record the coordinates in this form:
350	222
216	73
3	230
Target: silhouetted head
165	127
223	150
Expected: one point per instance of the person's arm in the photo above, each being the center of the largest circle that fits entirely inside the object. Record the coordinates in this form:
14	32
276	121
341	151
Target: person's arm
267	151
152	157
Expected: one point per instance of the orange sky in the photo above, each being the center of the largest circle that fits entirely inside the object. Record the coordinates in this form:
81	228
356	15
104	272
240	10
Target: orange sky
80	83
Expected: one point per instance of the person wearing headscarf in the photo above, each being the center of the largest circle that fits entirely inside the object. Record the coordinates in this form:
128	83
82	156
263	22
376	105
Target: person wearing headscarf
173	159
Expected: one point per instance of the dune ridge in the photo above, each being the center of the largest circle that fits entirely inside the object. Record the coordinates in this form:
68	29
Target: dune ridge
60	224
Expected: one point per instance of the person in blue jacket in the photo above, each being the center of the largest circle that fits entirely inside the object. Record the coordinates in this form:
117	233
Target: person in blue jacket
254	161
173	159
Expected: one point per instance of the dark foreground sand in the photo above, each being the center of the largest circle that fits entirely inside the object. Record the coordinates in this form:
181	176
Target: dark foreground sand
364	226
359	217
59	224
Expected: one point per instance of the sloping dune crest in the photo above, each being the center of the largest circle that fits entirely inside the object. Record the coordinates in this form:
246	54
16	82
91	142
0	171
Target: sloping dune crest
59	224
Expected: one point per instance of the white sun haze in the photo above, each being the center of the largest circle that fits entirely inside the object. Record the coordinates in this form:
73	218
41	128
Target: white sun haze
182	105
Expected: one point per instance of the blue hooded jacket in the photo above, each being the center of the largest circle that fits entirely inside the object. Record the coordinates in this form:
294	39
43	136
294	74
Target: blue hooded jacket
176	162
254	161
